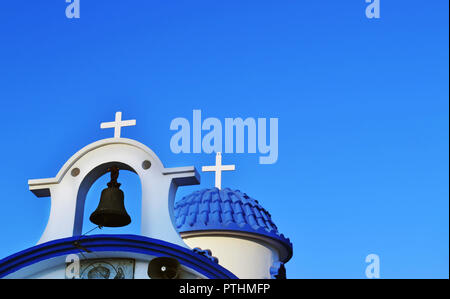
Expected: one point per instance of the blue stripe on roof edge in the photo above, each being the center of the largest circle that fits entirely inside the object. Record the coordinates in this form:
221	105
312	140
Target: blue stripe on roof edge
124	243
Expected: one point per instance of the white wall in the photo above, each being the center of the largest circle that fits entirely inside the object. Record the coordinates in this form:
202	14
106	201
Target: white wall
55	268
244	257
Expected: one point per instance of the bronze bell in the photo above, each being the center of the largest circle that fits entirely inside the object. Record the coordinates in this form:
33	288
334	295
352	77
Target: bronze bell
111	209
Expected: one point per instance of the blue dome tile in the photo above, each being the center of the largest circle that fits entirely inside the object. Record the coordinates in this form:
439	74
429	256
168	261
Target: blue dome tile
226	209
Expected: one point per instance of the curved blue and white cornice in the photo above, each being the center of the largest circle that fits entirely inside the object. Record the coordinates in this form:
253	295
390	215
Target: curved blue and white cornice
43	256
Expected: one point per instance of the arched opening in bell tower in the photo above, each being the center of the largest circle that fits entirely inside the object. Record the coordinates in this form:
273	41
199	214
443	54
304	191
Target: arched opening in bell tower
91	190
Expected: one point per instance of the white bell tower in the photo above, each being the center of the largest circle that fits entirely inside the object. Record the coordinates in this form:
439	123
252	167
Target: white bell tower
69	188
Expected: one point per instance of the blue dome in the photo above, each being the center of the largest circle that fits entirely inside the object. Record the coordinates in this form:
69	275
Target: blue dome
227	210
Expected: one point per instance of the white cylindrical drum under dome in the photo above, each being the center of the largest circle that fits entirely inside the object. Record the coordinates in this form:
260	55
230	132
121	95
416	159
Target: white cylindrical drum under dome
237	230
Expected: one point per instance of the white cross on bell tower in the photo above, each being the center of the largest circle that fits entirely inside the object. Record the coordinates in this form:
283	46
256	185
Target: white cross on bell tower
218	168
118	124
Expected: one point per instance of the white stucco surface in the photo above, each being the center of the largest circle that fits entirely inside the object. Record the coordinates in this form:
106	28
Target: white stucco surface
245	257
55	268
68	192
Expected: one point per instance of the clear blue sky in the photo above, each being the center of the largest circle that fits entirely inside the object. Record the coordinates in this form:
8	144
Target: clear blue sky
362	105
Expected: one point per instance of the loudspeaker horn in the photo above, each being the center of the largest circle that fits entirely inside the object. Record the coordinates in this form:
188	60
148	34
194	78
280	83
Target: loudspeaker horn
163	268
